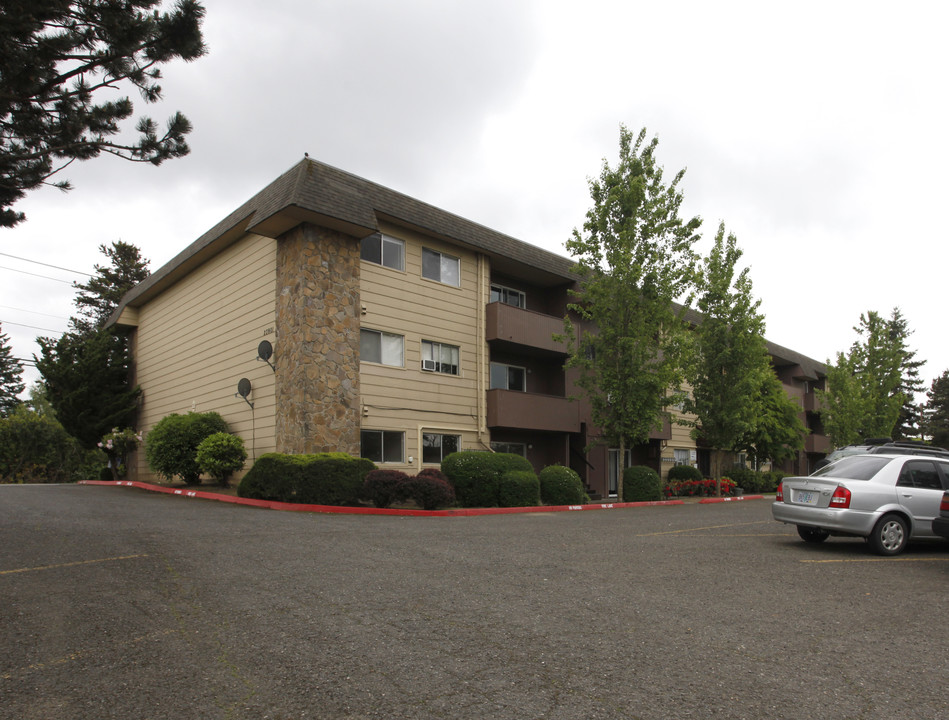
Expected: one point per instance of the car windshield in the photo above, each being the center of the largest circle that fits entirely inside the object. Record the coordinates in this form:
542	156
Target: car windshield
855	467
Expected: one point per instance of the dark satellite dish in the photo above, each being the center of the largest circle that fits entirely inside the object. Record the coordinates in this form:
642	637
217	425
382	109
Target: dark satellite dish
265	352
243	387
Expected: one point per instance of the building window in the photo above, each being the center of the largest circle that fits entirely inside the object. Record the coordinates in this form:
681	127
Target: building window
508	377
383	250
682	457
443	268
509	447
381	347
436	447
438	357
382	446
506	295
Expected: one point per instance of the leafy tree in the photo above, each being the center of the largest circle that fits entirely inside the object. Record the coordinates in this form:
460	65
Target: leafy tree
87	383
11	377
730	360
55	57
778	432
864	393
36	448
98	298
635	259
936	411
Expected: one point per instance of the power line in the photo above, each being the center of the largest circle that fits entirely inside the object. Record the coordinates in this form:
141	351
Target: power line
37	262
33	312
32	327
45	277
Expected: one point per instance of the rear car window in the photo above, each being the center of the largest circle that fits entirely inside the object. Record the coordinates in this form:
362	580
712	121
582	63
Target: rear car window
855	467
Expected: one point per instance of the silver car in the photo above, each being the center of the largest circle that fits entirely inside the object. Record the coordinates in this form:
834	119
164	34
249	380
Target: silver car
886	499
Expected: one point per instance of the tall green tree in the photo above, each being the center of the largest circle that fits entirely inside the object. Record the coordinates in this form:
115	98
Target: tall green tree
730	358
909	423
635	258
936	411
778	432
98	298
57	57
11	377
864	387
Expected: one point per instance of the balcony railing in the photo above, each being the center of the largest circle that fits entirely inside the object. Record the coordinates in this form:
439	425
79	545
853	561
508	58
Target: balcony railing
523	327
816	444
529	411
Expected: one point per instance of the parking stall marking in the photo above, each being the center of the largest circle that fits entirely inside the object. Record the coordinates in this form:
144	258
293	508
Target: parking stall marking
71	564
702	529
879	559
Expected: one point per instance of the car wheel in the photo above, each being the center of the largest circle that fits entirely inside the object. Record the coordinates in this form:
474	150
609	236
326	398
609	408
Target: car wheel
811	534
890	535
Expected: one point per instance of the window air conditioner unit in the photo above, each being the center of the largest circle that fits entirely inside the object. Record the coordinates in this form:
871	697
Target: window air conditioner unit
428	365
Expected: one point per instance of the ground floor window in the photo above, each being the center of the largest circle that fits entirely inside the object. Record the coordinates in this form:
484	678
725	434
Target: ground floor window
382	446
510	447
682	456
436	446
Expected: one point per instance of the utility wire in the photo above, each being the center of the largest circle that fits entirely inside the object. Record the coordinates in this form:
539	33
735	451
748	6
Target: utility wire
37	262
32	327
33	312
45	277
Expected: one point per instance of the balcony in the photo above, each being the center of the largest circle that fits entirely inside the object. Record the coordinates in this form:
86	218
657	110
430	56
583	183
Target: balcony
811	402
529	411
525	329
817	444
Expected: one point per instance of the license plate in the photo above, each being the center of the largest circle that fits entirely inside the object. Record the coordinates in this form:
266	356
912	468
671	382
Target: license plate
805	497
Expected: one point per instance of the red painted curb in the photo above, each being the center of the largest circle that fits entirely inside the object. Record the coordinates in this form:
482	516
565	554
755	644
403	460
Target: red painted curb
333	509
707	501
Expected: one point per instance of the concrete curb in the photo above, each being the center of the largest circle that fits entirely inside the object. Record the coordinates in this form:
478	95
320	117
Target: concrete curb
456	512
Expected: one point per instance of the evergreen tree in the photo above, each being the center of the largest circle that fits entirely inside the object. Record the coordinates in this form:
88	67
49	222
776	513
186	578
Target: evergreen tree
634	258
98	298
56	56
909	423
936	411
11	377
730	360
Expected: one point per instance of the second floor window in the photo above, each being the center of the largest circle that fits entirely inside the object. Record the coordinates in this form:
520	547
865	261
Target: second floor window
441	267
508	377
438	357
381	347
506	295
383	250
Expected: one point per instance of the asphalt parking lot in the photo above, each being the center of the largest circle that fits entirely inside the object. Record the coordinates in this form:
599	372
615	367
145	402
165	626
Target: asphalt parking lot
119	603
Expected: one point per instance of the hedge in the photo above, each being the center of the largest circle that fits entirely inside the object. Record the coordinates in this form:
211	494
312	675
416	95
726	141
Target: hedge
476	476
641	484
519	488
561	485
320	479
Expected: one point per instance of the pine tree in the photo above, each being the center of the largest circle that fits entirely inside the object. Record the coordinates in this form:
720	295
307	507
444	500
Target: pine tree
634	258
98	298
936	411
909	423
11	377
56	56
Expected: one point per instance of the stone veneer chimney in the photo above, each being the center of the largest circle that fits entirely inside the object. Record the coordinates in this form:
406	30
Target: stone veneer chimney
317	342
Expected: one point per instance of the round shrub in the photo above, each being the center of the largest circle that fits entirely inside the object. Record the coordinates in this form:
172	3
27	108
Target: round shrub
172	445
561	485
678	473
430	490
641	484
321	479
746	478
519	488
220	455
476	476
384	487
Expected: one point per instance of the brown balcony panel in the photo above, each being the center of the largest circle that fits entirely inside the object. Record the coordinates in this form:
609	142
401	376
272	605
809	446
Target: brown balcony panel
817	444
663	433
528	411
526	328
811	403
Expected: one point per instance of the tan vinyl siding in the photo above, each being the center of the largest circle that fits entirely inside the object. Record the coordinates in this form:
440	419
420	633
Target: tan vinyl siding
409	399
198	338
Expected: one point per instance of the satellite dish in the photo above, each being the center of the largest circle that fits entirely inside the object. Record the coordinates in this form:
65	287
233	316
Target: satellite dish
265	350
243	387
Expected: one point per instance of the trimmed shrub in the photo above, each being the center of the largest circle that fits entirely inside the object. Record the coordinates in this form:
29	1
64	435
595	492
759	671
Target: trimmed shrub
561	485
476	476
35	448
770	480
321	479
384	487
171	447
698	488
746	478
678	473
519	488
220	455
430	490
641	484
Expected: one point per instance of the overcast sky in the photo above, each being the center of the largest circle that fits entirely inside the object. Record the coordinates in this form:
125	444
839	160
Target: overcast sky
814	130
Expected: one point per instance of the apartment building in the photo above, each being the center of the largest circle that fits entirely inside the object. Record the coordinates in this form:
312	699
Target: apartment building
358	319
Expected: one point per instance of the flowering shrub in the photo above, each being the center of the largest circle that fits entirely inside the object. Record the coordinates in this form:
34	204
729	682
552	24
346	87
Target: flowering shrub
698	488
117	445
